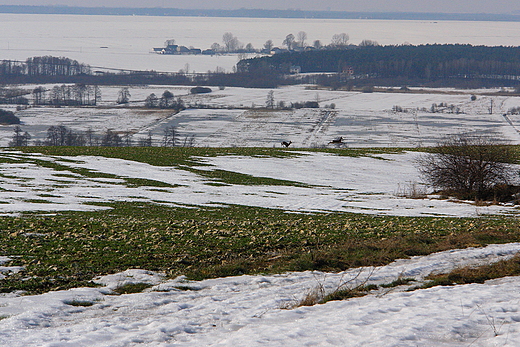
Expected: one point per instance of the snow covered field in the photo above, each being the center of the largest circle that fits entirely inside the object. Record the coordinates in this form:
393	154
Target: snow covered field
363	119
335	183
251	310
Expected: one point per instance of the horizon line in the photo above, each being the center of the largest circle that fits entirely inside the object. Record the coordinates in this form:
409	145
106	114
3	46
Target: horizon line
252	13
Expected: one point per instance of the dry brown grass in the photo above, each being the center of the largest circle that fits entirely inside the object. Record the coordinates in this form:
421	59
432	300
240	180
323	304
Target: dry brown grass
476	274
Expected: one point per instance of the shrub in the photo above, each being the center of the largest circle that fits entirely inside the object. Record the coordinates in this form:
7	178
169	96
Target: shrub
200	90
8	117
468	166
514	110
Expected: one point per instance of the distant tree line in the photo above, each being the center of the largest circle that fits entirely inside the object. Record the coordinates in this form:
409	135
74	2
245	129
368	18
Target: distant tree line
44	66
339	64
424	62
12	72
13	96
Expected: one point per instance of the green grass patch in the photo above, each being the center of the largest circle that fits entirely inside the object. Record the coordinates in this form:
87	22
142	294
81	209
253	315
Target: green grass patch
189	156
230	177
37	201
160	156
143	182
398	282
183	158
132	288
514	148
206	242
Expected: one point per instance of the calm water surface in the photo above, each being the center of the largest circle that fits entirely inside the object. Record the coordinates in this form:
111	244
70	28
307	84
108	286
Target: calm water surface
125	41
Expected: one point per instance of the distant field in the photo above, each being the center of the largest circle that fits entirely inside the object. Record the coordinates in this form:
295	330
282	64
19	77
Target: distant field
236	117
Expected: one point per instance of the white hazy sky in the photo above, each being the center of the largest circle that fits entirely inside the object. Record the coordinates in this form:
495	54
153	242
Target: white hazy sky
445	6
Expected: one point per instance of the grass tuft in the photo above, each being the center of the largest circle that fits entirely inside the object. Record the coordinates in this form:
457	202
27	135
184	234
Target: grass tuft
132	288
472	274
80	303
398	282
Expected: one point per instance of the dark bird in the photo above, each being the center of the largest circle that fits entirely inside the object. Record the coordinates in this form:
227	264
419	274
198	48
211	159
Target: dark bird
337	140
286	143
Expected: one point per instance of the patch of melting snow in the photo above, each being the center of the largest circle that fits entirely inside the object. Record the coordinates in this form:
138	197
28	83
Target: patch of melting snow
335	183
6	270
248	310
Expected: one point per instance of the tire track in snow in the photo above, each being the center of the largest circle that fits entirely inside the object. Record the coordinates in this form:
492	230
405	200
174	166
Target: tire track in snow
326	117
510	122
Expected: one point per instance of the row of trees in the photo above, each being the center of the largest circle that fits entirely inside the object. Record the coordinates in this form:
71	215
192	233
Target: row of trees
14	96
44	66
231	44
167	100
61	135
67	95
291	42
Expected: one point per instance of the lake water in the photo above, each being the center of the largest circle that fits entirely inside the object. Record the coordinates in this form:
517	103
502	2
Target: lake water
125	41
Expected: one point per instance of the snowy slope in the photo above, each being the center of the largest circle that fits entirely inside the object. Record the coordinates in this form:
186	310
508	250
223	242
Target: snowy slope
249	310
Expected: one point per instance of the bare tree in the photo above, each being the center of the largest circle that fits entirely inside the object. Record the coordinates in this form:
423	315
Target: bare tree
123	96
268	45
62	136
166	99
468	166
111	139
170	136
340	40
146	141
151	101
215	47
368	43
89	134
301	37
127	138
20	138
189	141
39	95
231	43
97	94
289	41
269	103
